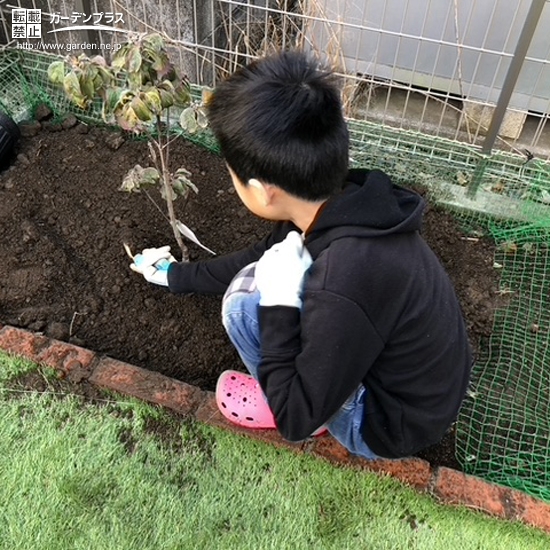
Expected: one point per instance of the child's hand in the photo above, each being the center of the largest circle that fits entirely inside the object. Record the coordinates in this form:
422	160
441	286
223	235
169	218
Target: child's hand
149	257
153	264
280	272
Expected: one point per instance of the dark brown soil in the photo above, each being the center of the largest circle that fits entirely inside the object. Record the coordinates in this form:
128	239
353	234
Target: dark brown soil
63	270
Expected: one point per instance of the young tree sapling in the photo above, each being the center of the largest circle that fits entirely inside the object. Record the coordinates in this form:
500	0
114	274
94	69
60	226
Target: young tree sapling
136	91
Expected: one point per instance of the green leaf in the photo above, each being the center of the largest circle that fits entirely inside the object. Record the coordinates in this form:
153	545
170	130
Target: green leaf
140	109
202	120
167	86
182	94
166	99
98	83
188	121
110	102
90	70
87	87
153	100
155	41
106	75
173	195
138	178
134	80
71	85
120	58
127	119
134	60
182	182
56	72
119	62
179	187
151	175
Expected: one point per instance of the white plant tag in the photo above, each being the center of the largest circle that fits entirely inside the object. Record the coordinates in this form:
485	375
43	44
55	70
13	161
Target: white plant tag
186	232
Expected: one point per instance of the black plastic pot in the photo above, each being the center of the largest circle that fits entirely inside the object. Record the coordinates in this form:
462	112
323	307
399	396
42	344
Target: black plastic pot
9	136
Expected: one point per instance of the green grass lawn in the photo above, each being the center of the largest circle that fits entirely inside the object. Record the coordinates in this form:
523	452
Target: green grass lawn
124	475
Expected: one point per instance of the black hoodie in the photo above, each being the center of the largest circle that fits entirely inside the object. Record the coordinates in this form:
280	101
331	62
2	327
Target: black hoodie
378	310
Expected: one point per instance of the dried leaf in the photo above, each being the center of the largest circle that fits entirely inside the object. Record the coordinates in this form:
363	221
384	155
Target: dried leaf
161	64
509	247
462	178
99	60
206	95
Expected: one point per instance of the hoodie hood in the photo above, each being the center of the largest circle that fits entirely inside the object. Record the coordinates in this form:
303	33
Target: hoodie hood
370	205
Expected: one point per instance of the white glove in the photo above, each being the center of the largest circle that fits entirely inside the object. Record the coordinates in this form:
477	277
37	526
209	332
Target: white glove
280	272
153	264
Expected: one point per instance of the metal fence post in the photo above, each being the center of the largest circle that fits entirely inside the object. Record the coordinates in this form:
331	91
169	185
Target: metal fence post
510	81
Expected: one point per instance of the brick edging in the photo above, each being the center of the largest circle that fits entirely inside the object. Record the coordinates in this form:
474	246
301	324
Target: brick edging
447	485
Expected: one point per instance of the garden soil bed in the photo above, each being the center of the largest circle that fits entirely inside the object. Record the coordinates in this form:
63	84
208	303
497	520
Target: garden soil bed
64	272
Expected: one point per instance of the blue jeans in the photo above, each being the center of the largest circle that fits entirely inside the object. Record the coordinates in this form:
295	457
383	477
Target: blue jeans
240	319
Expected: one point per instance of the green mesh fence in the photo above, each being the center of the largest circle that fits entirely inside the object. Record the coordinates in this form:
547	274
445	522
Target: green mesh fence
503	430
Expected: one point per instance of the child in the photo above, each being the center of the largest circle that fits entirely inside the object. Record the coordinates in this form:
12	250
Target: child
343	314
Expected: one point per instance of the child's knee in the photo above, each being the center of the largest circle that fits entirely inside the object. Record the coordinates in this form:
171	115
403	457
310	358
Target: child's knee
240	309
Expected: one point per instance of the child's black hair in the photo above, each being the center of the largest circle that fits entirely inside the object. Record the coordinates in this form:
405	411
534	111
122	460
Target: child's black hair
280	120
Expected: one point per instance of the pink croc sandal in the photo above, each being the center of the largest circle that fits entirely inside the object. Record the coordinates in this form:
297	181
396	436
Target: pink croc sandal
241	400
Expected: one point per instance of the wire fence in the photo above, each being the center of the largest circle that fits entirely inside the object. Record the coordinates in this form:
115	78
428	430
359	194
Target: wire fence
453	95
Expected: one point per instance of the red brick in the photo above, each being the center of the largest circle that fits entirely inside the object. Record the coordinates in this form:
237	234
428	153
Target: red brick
39	348
458	488
532	511
328	448
209	413
21	342
66	357
412	471
449	485
147	385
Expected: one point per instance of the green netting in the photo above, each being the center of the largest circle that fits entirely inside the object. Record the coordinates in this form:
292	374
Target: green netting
503	431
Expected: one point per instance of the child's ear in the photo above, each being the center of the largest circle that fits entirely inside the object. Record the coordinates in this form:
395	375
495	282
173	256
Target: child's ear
262	191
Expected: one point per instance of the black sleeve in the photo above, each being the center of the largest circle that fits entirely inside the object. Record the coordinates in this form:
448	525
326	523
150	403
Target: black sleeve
213	276
314	360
